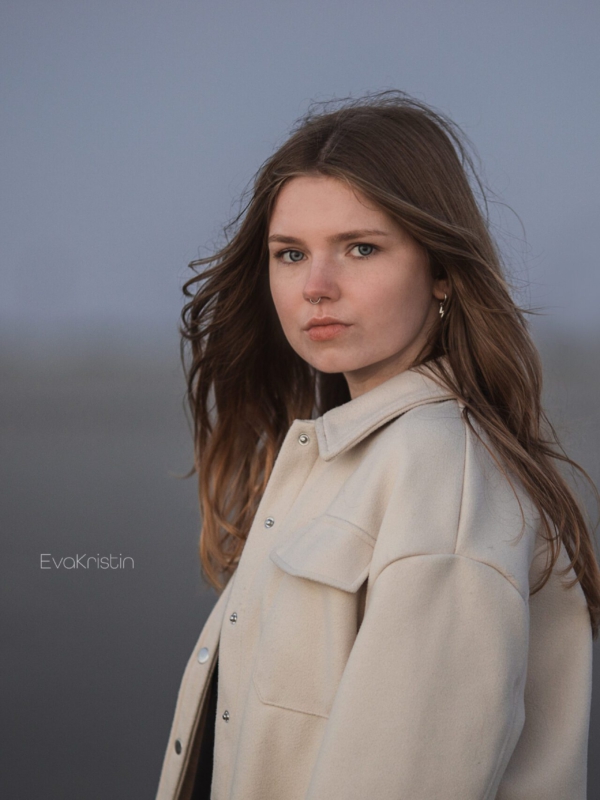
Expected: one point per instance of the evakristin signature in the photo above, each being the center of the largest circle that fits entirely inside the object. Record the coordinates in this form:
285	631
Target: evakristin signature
47	561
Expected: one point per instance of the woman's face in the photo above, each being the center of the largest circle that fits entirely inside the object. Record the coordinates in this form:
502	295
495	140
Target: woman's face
378	298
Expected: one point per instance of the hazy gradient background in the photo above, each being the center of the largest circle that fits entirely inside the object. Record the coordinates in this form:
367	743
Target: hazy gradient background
129	130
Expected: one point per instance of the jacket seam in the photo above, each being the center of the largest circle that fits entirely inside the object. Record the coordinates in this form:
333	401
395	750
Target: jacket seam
458	555
324	431
462	488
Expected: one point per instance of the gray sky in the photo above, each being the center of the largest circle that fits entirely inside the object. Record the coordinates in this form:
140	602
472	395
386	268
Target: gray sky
129	130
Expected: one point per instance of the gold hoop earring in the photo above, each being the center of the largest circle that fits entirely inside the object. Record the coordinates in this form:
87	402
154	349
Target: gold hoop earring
442	309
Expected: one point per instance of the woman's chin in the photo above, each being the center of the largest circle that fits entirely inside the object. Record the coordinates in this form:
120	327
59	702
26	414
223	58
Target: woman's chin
337	365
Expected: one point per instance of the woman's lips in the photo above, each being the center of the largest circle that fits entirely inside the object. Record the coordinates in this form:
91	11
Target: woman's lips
320	333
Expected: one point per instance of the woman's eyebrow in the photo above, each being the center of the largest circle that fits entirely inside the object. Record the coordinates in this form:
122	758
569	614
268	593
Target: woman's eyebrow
338	237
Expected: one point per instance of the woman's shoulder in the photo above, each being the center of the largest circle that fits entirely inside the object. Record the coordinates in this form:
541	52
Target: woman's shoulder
452	494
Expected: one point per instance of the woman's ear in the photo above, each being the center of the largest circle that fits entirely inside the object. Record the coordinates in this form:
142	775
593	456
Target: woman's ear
441	287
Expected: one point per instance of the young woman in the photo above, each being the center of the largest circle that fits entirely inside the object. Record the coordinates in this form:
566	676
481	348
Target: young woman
408	587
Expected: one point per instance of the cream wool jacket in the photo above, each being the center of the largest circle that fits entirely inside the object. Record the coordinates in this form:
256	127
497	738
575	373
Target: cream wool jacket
377	639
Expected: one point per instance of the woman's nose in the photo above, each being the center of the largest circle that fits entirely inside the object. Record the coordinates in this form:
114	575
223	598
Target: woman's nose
321	281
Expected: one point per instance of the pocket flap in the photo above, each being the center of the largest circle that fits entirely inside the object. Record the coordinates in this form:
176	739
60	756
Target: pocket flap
328	550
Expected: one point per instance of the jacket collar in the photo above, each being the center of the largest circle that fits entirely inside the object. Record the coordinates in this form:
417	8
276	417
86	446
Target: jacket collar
346	425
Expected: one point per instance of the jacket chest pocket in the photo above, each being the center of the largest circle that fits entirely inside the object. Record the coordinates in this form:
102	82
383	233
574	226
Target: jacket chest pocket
311	623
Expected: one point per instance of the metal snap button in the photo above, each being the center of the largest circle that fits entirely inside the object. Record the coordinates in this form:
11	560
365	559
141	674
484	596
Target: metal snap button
203	655
269	522
233	617
178	746
226	715
303	439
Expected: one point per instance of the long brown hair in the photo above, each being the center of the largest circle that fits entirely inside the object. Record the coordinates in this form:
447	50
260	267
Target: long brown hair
246	385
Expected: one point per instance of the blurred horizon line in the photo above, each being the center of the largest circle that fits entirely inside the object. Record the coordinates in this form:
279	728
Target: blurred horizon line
156	343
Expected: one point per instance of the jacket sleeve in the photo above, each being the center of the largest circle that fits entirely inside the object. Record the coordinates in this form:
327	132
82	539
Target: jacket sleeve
430	705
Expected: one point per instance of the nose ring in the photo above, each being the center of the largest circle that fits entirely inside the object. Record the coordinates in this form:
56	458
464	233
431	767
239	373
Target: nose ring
314	302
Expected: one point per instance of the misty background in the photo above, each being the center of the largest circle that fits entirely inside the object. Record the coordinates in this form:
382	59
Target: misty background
129	131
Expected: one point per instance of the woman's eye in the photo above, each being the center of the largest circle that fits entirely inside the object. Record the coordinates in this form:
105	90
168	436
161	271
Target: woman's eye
361	248
292	254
